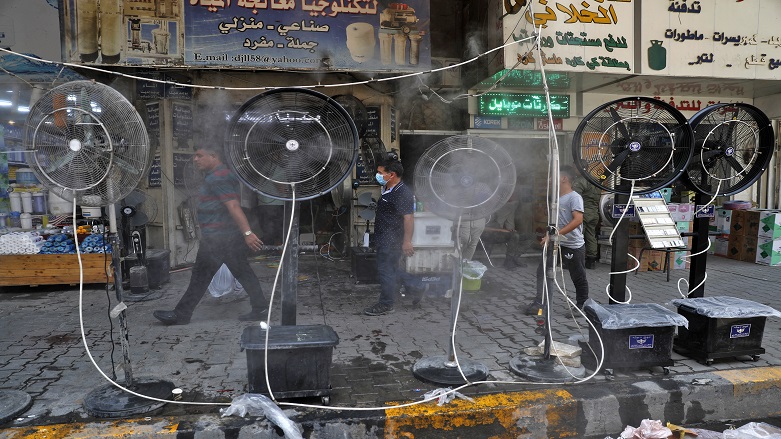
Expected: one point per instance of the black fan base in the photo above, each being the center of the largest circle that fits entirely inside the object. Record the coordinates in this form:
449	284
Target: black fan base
541	370
13	403
437	370
110	401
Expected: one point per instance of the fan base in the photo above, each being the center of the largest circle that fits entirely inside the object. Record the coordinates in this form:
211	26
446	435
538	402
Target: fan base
437	370
543	370
13	403
110	401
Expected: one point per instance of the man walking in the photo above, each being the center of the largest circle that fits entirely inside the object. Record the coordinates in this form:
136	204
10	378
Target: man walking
226	238
393	227
571	244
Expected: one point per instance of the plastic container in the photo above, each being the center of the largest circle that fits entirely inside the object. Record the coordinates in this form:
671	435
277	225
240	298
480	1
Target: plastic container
3	219
91	212
26	221
16	201
432	231
39	203
27	202
299	359
721	327
643	335
471	284
59	206
26	176
14	220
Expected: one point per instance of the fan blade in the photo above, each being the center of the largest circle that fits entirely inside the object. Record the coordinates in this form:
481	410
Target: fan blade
618	160
62	161
735	164
140	219
367	214
366	199
617	119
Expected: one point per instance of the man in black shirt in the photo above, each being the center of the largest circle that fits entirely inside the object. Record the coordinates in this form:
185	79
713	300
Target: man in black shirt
393	228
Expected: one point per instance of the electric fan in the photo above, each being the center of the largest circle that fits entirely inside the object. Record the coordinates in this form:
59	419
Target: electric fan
461	178
356	110
733	147
291	144
632	145
633	140
373	153
86	142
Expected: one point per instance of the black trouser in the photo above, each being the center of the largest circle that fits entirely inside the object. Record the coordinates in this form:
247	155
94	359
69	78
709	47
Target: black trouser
574	259
212	253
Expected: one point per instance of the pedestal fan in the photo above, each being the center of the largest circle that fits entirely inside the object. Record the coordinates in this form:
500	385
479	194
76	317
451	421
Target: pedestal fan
733	147
291	144
87	143
634	145
461	178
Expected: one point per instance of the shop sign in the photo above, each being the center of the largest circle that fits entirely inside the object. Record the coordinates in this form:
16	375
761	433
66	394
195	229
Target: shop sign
487	122
365	35
543	124
522	104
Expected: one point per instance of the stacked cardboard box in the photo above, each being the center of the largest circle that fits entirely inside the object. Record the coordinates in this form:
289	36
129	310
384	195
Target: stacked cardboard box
769	238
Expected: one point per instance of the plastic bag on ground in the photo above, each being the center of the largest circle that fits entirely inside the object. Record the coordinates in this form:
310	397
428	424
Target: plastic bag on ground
473	270
255	404
648	429
223	283
755	430
445	395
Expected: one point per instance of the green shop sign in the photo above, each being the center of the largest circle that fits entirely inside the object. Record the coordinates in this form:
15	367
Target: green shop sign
523	104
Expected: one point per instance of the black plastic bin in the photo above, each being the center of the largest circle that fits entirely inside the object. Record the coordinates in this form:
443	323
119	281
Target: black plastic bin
299	360
363	261
643	336
721	327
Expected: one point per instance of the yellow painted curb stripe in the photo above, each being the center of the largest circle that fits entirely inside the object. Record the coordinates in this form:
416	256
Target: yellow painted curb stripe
754	380
549	413
114	429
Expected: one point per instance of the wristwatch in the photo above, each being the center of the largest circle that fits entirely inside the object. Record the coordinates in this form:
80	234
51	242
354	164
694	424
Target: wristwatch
248	232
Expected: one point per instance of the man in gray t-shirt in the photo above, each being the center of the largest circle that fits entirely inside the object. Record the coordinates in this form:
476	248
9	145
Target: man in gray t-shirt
572	248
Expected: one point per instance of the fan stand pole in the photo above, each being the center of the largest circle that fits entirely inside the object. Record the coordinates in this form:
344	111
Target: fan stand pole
699	244
546	369
619	251
110	401
445	370
290	269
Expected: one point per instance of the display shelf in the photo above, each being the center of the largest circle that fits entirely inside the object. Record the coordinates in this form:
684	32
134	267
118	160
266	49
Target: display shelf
657	222
34	270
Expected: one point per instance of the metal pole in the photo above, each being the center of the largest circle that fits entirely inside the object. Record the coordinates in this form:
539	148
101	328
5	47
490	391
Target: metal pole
116	262
290	269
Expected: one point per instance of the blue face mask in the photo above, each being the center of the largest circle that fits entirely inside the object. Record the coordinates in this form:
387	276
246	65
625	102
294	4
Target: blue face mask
379	179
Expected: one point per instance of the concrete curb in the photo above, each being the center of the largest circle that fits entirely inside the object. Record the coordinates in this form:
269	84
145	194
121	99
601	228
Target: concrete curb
592	410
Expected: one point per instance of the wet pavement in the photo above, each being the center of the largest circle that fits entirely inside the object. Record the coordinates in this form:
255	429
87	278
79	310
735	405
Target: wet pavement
41	353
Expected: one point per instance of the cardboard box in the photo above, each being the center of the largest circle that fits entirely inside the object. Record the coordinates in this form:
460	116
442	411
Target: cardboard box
749	250
684	226
742	248
745	222
769	224
722	221
768	251
720	246
654	260
679	261
736	227
681	211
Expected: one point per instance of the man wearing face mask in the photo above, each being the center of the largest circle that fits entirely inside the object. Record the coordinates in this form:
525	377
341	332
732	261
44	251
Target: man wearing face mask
393	228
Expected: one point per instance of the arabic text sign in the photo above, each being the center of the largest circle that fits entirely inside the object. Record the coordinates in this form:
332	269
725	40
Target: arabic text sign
716	38
587	36
522	104
309	34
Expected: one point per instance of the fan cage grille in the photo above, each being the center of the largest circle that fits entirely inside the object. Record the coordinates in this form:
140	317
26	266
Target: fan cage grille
464	176
734	145
85	140
638	141
288	140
